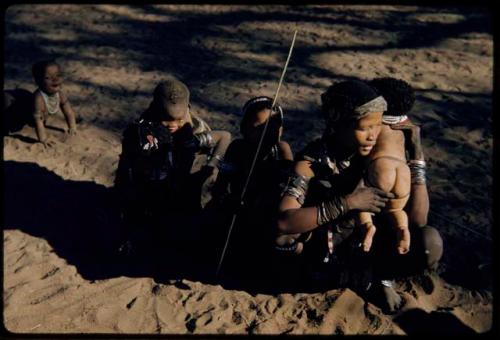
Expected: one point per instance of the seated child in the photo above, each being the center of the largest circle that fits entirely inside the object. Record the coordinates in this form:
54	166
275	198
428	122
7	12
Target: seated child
388	169
274	162
50	99
237	162
154	174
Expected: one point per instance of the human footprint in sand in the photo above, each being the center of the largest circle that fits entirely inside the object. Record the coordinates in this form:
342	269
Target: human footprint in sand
50	100
387	168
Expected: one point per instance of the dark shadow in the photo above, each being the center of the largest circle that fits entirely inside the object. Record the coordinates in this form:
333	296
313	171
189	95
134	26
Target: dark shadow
419	322
192	39
81	223
25	139
55	128
17	110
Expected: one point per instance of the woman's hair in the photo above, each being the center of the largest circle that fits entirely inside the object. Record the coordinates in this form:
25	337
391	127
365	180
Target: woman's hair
399	95
38	68
255	105
339	101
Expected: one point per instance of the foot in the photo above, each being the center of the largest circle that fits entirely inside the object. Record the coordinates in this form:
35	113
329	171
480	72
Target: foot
370	232
391	300
403	244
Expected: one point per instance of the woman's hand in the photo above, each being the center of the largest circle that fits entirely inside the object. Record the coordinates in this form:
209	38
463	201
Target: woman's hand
367	199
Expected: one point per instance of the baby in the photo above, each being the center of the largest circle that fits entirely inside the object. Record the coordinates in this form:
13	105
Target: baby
49	99
388	169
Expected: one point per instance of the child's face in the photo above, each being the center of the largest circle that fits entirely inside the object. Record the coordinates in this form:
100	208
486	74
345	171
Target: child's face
259	120
173	124
52	80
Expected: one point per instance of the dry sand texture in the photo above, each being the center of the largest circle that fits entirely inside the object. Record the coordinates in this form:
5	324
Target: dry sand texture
58	220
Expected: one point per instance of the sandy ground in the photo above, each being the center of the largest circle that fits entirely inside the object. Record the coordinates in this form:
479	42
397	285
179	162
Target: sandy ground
59	226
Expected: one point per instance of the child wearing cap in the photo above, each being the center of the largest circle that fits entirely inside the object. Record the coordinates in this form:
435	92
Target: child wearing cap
50	99
154	174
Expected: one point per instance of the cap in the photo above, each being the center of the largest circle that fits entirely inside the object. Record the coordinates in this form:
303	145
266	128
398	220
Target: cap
173	96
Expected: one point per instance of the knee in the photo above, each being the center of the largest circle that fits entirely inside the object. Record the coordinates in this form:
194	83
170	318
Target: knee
432	246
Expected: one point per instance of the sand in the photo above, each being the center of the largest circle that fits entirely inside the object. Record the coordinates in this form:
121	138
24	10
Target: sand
60	224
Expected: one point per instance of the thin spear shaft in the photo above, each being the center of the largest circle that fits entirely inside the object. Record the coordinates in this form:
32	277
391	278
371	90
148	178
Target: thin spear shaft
256	155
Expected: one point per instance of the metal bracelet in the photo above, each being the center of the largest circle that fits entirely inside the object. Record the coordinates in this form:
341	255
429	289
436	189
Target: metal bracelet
387	283
417	162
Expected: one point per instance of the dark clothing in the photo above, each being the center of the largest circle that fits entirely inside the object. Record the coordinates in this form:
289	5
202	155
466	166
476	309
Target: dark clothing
253	232
267	181
18	110
346	265
155	179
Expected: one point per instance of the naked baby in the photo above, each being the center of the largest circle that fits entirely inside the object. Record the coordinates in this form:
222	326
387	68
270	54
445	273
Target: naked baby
387	168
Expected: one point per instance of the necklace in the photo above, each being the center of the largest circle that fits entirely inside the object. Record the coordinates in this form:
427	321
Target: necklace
51	102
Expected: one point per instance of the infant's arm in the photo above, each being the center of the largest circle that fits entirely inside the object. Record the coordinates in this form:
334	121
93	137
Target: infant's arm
39	117
68	112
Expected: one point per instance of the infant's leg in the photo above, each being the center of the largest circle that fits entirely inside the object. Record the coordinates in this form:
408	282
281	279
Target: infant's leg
365	220
400	223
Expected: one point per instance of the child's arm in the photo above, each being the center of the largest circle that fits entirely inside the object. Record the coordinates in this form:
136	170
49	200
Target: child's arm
38	115
285	151
226	171
68	112
221	140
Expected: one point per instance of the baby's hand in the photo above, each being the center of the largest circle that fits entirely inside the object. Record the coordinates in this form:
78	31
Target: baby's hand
71	131
47	143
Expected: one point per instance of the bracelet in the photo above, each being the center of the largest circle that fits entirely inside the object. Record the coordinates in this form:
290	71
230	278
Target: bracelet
417	171
417	162
330	210
387	283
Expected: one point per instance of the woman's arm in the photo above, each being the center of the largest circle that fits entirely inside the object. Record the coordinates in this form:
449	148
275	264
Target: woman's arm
295	219
69	113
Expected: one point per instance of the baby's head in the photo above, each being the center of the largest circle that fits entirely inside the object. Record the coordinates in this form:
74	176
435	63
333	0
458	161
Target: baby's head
255	113
398	94
47	75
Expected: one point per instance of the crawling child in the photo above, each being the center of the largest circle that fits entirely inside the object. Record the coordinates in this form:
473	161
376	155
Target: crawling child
387	168
50	99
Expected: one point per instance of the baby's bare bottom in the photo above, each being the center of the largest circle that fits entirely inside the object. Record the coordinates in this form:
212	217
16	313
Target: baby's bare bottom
390	175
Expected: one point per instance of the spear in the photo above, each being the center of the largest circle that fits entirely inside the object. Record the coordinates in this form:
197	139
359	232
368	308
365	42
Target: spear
242	196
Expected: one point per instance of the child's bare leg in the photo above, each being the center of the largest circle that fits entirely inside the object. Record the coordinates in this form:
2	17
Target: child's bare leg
365	220
400	223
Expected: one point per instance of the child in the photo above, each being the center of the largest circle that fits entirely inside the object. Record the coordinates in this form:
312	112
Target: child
258	211
49	99
388	169
154	175
238	160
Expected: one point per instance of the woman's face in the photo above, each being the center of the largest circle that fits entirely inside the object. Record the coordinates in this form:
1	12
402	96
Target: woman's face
366	131
52	80
361	135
